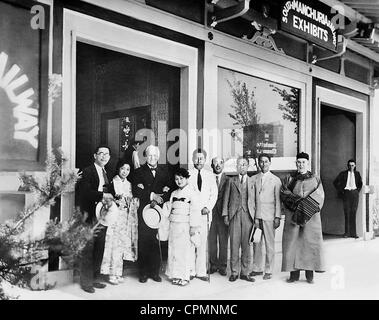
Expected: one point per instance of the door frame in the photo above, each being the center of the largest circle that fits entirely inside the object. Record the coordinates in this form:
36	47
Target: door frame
105	34
359	107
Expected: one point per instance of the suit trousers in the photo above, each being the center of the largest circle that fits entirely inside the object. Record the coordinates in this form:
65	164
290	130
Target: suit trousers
218	243
92	256
350	205
239	229
199	255
267	245
148	250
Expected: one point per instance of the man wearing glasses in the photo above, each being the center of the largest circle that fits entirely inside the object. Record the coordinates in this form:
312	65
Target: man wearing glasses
94	187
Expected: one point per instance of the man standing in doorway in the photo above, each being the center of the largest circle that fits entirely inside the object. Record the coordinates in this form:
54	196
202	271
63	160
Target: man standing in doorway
203	181
238	213
218	233
348	184
153	185
93	188
267	216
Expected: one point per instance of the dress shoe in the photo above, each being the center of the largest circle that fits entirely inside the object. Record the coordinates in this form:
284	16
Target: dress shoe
309	276
99	285
267	276
290	280
205	278
213	270
88	289
255	273
192	277
294	276
233	277
156	278
222	272
355	237
247	278
143	279
345	235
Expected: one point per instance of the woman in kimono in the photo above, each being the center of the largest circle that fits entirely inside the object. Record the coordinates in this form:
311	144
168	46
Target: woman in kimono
303	197
121	238
184	216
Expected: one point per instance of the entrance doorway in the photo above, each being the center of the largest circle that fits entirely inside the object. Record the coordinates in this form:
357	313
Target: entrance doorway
338	145
116	95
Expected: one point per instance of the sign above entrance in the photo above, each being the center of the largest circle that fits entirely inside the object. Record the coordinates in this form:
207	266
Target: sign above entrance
311	21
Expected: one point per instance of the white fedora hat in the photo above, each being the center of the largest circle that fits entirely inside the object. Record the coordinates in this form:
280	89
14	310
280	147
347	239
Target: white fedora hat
152	216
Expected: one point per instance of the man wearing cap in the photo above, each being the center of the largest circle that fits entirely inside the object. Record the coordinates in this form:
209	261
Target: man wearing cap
153	186
302	246
267	216
94	188
348	184
203	181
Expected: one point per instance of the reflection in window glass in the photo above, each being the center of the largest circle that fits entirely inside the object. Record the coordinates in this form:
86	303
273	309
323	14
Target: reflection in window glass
257	116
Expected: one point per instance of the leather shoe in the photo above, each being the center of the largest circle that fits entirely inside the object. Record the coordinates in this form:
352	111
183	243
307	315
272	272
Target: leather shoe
205	278
99	285
222	272
267	276
255	273
156	278
88	289
213	270
192	277
143	279
290	280
233	278
247	278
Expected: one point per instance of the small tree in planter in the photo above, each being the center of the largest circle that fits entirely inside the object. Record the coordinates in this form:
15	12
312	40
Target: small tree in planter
18	253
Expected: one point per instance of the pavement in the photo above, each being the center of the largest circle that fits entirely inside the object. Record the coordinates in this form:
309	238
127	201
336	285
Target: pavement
351	273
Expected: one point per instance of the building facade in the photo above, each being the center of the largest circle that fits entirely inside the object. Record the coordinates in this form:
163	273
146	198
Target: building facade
231	76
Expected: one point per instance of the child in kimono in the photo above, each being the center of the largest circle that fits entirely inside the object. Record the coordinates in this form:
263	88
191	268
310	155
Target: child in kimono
184	217
121	238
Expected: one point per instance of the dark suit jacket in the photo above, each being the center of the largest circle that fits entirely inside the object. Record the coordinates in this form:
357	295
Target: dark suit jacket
217	209
144	177
341	180
88	194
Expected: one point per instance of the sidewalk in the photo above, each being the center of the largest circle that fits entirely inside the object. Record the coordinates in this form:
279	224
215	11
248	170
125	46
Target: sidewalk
351	273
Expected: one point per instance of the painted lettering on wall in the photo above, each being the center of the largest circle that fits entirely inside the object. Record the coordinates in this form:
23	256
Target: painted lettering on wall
26	128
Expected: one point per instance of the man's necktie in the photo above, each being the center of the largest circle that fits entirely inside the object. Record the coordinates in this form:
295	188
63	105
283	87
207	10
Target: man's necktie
153	171
242	179
217	181
106	181
199	180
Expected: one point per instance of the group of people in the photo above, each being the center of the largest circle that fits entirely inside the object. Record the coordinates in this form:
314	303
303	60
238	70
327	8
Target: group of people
203	209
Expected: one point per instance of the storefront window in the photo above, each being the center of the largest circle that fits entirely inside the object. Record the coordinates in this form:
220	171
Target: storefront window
257	116
23	87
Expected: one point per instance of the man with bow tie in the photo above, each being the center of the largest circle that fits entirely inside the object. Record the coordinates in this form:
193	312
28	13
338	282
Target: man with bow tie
267	216
152	185
204	182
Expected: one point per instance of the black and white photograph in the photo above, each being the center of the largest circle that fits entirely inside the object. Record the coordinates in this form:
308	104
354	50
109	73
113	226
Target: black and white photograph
202	152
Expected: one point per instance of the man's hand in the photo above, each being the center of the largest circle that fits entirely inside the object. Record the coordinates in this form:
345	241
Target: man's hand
204	211
276	223
157	197
226	220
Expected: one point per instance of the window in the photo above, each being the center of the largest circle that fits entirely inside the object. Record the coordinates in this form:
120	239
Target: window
257	116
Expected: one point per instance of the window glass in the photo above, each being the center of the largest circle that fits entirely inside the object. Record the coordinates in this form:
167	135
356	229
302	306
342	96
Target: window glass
257	116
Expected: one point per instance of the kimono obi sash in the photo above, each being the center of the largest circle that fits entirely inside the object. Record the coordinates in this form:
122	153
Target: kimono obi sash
180	211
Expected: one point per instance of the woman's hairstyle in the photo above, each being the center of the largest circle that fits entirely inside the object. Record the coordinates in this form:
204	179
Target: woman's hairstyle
121	163
181	172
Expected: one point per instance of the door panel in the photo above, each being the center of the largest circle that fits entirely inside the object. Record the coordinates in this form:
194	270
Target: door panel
338	145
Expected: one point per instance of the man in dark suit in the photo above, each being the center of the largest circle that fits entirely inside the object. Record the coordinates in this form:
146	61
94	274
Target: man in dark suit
238	212
93	188
348	184
152	185
218	233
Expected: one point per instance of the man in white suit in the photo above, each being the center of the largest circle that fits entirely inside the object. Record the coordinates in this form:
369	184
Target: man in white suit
205	182
267	216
